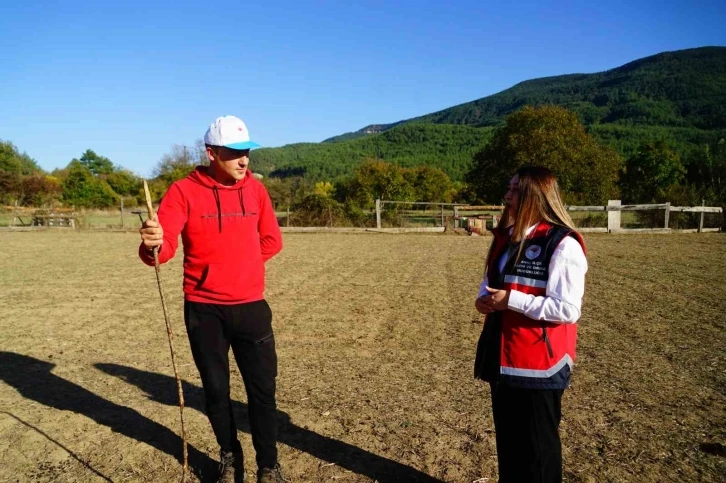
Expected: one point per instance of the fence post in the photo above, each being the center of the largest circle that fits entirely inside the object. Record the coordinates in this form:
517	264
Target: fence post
287	220
613	216
667	213
442	214
123	226
700	222
15	213
494	221
378	213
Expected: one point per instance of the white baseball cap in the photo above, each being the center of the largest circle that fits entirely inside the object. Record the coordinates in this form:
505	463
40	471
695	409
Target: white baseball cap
230	132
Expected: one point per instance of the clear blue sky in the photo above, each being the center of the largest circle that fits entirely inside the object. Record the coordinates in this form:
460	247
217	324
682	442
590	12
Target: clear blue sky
130	79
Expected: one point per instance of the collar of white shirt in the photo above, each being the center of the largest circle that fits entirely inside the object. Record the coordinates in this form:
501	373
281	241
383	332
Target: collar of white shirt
529	230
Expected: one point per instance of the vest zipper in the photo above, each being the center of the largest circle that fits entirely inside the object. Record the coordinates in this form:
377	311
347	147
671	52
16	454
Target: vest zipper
547	341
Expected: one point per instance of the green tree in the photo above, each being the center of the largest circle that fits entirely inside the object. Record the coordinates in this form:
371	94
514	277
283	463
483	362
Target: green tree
323	188
553	137
717	170
60	173
286	192
650	173
376	179
95	163
178	163
707	171
12	161
10	187
318	210
124	182
462	193
81	188
429	184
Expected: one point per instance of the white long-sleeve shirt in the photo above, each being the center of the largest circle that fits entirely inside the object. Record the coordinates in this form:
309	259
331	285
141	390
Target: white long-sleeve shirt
562	302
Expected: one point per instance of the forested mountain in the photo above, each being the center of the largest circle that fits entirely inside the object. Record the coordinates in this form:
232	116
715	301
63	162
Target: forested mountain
442	146
677	97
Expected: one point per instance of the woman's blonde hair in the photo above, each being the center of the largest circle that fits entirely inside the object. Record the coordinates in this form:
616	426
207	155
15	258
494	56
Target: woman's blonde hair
539	200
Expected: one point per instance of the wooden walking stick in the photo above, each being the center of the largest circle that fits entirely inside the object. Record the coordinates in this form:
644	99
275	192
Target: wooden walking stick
152	216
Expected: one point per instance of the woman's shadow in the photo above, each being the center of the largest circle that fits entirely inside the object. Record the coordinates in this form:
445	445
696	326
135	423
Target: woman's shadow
33	379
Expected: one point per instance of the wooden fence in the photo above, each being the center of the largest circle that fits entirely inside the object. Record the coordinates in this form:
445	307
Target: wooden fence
454	215
473	218
614	208
41	217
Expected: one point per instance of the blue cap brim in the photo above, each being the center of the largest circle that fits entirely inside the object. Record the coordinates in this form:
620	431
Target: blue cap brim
241	146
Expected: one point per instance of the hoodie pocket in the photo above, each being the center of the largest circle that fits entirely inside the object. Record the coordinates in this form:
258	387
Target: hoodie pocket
232	281
218	279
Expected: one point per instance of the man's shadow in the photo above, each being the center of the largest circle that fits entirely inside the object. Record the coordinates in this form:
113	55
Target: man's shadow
34	380
161	388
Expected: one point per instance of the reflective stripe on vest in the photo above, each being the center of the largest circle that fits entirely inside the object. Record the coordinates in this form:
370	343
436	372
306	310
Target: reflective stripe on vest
528	282
513	371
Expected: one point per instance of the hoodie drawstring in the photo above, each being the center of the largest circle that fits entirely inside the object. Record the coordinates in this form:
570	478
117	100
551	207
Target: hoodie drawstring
219	206
217	200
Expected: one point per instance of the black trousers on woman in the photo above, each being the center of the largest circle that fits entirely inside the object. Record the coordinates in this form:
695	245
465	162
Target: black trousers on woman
247	329
526	422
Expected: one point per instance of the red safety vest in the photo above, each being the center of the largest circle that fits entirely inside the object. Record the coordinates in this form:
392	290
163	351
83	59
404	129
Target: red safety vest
534	354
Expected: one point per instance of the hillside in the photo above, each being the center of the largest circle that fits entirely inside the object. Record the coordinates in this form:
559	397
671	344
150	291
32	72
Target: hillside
444	146
677	96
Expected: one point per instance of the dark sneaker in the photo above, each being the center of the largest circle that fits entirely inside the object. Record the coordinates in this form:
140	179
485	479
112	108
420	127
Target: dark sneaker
270	475
231	469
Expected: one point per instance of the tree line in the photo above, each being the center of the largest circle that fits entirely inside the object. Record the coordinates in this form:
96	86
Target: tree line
589	171
90	181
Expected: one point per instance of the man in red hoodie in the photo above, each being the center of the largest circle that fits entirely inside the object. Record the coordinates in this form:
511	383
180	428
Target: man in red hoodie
229	230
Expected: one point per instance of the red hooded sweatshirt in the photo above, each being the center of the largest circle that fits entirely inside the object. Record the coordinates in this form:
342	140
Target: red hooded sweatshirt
228	232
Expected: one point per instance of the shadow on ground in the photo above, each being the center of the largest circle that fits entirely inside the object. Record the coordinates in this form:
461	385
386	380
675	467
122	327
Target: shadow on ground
161	388
33	379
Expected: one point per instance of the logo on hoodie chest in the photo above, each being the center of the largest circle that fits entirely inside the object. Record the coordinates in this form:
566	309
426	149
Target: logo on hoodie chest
230	208
230	215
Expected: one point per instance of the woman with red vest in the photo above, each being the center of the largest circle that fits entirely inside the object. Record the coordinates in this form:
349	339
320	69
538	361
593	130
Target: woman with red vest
531	295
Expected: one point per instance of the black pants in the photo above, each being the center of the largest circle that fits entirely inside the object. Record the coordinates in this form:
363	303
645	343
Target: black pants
247	328
527	423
